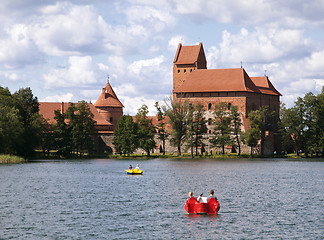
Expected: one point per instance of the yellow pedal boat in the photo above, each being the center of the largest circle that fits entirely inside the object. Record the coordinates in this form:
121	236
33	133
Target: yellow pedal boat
134	171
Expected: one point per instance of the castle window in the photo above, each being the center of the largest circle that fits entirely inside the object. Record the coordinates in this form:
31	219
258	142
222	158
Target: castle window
209	132
178	70
209	121
229	106
209	106
190	70
185	70
111	119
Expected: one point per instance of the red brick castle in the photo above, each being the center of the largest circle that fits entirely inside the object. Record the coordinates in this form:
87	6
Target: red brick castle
192	81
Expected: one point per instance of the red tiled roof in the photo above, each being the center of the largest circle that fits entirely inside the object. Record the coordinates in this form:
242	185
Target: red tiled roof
187	54
47	110
108	98
217	80
265	86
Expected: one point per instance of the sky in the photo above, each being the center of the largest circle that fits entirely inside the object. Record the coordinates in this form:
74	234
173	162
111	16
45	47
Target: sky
67	50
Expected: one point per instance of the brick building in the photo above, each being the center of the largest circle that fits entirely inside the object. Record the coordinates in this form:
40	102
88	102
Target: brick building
106	110
192	81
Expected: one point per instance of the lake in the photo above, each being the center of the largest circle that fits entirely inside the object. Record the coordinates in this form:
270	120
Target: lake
96	199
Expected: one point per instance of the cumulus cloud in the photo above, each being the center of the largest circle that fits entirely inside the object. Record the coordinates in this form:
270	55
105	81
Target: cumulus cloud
145	66
153	18
174	42
80	73
65	29
134	103
260	45
289	14
58	98
74	44
11	76
17	47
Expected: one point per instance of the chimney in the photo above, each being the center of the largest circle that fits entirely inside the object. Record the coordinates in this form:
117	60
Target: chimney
62	107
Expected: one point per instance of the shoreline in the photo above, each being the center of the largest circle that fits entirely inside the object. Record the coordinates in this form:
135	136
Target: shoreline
11	159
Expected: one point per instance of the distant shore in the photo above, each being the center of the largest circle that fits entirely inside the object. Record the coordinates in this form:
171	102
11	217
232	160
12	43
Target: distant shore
10	159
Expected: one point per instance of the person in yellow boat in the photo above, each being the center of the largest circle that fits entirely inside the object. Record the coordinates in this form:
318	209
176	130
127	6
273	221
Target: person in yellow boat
130	167
137	167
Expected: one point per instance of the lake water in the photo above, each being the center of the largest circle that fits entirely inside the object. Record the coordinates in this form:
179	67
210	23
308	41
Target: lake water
96	199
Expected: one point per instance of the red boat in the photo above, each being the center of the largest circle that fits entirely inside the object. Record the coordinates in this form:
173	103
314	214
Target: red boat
210	207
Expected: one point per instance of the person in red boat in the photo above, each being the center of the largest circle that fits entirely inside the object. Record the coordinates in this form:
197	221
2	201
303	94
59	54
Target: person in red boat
204	206
211	195
190	194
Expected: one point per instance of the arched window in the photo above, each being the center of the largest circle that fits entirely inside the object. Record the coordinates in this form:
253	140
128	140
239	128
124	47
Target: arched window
229	106
209	121
209	106
209	131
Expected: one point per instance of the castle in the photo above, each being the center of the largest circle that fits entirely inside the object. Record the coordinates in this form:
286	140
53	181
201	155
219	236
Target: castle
193	82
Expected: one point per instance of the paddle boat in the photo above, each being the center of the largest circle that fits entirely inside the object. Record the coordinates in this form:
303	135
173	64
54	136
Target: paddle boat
134	171
202	207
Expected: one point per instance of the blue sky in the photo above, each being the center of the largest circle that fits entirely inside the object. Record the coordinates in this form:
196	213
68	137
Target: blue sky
64	50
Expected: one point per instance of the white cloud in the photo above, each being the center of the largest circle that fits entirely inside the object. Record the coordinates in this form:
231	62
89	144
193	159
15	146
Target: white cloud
315	63
65	29
174	42
11	76
81	72
17	47
58	98
261	45
148	65
291	14
153	18
132	104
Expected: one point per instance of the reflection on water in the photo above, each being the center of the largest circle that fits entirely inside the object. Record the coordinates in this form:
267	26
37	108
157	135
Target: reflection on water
96	199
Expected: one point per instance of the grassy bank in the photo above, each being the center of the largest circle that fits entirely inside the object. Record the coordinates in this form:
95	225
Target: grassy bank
7	159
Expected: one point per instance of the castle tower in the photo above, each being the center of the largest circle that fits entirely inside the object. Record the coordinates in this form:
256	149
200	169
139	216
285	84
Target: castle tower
108	105
186	60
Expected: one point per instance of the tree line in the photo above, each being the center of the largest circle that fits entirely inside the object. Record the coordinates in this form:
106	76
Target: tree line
23	129
188	127
302	125
298	129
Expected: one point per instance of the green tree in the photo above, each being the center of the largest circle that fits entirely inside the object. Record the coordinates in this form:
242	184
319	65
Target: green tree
82	127
190	132
262	120
178	113
304	123
28	107
47	142
11	130
197	128
222	136
145	130
319	122
288	142
161	126
252	137
125	135
11	126
236	127
62	135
